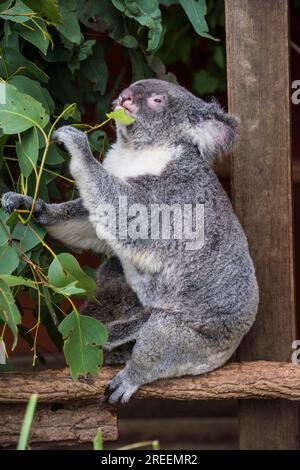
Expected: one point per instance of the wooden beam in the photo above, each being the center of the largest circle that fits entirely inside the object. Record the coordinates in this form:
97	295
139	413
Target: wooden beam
258	65
63	424
222	168
259	380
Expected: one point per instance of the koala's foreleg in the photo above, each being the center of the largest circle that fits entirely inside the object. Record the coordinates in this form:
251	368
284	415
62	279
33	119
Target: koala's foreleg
67	221
95	184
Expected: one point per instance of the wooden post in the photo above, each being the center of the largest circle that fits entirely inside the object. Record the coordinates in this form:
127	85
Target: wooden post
258	67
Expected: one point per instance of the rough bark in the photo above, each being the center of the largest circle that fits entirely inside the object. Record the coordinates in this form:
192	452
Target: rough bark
260	379
64	424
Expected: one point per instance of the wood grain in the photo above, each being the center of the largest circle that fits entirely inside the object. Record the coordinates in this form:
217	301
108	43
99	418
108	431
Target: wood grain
259	380
71	423
258	65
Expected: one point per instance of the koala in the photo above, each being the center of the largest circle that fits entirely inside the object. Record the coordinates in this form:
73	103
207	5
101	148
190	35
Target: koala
170	309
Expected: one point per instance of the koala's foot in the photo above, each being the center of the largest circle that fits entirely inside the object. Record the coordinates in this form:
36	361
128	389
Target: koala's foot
11	201
120	388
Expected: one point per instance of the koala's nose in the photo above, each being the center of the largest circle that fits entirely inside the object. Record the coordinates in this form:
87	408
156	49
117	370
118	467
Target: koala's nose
126	96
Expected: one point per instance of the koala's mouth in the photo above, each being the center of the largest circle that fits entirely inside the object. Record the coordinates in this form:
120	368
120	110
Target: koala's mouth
130	111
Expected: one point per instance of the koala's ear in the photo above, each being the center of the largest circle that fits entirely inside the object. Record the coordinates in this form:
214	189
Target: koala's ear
212	130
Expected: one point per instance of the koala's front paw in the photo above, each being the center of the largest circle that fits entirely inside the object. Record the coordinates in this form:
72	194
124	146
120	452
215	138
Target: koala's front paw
70	137
120	388
11	201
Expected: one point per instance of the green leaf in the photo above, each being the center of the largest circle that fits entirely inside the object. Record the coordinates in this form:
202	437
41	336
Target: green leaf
20	112
139	65
26	237
34	89
47	298
65	269
80	54
95	69
36	35
11	37
47	9
13	281
69	290
196	11
19	13
82	337
12	220
28	151
9	259
27	422
120	116
12	62
106	17
4	227
98	141
146	13
9	312
54	156
3	140
70	28
72	113
98	441
128	41
5	4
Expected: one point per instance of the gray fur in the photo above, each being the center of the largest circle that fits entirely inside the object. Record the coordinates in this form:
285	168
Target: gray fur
176	312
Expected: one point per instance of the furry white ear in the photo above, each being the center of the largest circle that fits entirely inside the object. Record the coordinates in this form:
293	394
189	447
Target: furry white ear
212	130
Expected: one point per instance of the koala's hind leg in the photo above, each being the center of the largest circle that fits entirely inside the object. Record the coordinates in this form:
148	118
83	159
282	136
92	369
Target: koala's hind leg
167	347
119	309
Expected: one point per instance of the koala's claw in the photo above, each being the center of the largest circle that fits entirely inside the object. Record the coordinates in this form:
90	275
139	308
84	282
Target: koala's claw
66	135
11	201
120	388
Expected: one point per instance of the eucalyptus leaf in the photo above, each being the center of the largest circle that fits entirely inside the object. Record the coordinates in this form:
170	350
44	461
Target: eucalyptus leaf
95	69
70	28
46	8
13	62
13	281
196	11
65	269
83	337
36	33
146	13
120	116
55	156
9	258
33	88
28	150
9	312
19	13
20	112
26	236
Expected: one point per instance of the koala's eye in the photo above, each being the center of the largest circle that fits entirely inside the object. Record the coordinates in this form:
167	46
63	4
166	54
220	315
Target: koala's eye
156	102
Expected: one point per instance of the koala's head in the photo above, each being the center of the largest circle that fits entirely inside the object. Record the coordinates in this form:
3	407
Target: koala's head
166	113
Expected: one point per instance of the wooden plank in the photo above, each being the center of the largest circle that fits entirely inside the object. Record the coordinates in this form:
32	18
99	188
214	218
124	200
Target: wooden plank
222	168
259	380
71	423
258	65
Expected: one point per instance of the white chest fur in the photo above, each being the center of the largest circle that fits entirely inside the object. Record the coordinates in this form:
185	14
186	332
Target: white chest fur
124	162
